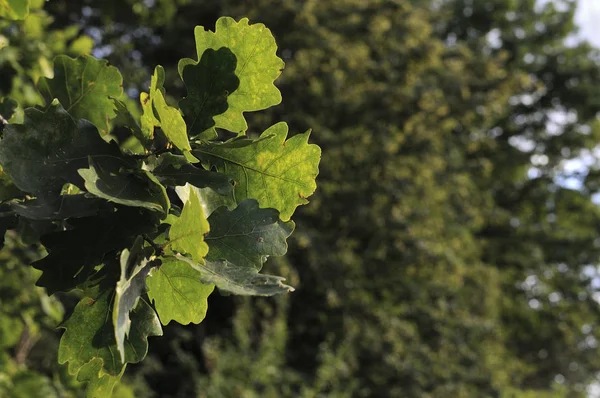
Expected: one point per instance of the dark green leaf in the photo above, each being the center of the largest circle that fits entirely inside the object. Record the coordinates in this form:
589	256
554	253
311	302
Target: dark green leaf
247	236
63	207
73	256
130	188
125	118
175	170
7	107
209	83
8	190
45	152
196	176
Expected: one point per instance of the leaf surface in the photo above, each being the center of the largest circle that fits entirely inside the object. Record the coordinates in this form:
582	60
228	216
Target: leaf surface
209	83
130	188
157	113
209	199
83	86
125	118
99	383
174	170
45	152
277	173
231	278
7	107
72	256
14	9
247	236
186	235
257	67
178	293
88	343
135	266
65	206
171	122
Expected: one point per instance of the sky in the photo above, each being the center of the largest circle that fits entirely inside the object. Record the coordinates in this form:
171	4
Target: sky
588	19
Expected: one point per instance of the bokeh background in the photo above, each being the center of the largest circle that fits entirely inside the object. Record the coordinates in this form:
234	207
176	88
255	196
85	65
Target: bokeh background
452	247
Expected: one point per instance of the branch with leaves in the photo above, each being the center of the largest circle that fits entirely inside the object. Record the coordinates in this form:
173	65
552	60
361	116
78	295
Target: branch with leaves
148	226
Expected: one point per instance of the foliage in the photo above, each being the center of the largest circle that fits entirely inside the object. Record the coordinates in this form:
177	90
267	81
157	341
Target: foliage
451	248
105	208
429	238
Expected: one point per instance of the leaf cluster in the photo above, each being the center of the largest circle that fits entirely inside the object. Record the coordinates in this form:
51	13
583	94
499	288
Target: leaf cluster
145	217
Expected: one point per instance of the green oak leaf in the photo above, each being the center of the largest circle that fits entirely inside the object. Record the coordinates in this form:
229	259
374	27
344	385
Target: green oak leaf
8	190
84	86
277	173
177	292
187	232
209	199
125	118
171	122
156	113
257	67
147	121
196	176
63	207
100	384
135	266
233	279
14	9
247	236
7	107
72	256
88	344
45	152
137	188
174	170
209	83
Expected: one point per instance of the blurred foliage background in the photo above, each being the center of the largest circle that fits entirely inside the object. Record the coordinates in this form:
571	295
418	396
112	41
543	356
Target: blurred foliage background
450	249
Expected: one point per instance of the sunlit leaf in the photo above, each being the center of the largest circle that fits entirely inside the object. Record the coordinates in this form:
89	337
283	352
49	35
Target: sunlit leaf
88	344
186	235
257	67
178	293
84	86
277	173
14	9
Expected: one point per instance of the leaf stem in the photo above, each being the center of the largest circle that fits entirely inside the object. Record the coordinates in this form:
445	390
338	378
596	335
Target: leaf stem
157	248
